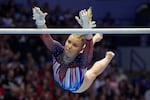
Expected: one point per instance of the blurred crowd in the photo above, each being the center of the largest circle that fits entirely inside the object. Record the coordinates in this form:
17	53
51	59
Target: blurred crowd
18	15
26	64
26	74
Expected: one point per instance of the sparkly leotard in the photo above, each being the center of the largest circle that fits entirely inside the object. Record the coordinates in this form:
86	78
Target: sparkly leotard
74	75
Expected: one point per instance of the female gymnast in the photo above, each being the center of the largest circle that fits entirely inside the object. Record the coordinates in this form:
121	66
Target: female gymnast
71	62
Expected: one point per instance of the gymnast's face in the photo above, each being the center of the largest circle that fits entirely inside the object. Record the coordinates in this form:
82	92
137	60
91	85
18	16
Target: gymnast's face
73	46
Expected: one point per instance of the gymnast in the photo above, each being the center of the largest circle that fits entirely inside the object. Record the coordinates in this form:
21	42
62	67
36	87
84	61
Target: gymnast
71	61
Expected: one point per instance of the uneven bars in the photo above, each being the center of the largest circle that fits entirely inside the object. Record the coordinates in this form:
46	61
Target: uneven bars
74	30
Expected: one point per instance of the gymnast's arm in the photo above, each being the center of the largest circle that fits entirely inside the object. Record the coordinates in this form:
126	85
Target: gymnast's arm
47	38
39	18
87	53
85	21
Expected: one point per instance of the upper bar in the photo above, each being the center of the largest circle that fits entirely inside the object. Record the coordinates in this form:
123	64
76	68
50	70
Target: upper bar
74	30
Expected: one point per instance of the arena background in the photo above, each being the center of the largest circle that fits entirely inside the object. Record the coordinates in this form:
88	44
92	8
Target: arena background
25	62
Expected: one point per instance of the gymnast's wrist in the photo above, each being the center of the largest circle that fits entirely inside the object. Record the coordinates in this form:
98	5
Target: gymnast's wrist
86	26
89	36
40	22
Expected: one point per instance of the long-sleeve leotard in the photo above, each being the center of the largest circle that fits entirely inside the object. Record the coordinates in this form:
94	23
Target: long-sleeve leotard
75	72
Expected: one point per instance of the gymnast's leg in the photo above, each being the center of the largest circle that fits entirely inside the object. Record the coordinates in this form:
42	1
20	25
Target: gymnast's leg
95	70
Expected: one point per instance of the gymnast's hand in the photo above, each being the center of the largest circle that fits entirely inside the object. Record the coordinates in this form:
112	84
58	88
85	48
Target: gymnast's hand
85	19
39	16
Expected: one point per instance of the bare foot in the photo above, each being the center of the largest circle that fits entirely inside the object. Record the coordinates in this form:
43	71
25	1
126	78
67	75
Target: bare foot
97	37
110	54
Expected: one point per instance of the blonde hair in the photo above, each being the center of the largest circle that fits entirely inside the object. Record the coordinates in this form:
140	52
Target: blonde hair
80	36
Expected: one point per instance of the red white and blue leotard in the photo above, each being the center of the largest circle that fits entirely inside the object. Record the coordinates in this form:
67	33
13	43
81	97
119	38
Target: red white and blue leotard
74	75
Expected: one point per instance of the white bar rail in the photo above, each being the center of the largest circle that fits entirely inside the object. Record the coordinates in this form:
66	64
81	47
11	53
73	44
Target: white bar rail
74	30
